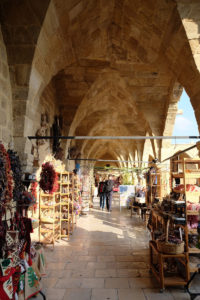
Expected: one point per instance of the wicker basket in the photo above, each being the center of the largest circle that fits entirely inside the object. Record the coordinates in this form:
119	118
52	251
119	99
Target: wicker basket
169	248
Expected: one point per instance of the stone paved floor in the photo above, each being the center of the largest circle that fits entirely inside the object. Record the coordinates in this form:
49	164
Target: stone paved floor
105	259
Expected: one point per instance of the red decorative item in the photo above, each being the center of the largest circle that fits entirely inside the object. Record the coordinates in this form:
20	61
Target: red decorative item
8	184
33	190
48	179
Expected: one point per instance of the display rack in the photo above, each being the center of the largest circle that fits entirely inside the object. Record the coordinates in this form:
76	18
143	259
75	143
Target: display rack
66	206
153	183
49	218
76	197
156	185
186	172
176	210
157	265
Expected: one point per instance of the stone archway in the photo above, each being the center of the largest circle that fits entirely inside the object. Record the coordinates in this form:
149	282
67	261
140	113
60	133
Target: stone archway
57	58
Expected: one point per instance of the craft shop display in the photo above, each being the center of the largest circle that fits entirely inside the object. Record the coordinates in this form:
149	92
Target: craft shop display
49	218
56	210
6	180
16	174
66	205
175	225
18	279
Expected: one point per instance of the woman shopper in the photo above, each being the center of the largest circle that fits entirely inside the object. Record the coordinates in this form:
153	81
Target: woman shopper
102	193
109	192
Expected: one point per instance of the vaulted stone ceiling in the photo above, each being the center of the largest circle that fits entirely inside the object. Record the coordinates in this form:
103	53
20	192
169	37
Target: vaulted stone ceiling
116	67
120	83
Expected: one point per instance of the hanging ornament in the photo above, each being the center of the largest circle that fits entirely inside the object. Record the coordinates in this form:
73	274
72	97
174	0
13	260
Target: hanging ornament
48	179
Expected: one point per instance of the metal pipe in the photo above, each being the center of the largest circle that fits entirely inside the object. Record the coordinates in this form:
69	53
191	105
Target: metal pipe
113	137
108	160
185	150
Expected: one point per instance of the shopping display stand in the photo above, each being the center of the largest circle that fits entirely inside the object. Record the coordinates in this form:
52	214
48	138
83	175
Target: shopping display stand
187	171
76	196
49	218
158	272
156	185
176	213
66	206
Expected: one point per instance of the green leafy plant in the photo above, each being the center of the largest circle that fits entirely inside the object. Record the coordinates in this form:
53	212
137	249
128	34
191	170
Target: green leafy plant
127	179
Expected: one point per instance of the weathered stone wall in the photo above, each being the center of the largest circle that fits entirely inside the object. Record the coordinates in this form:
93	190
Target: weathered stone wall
6	125
46	105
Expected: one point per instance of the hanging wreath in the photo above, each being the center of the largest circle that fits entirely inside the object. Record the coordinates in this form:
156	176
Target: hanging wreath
48	179
6	181
17	175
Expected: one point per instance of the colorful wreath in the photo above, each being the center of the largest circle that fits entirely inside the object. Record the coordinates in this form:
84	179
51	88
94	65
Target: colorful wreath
6	181
17	175
48	179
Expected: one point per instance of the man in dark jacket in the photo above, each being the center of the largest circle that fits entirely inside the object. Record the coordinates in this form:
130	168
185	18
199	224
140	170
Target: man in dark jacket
109	192
102	193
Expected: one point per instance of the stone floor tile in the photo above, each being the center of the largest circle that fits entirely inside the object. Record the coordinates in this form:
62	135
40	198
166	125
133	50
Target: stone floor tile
153	294
103	273
60	273
107	258
85	273
81	252
104	294
114	283
96	265
111	265
131	294
87	258
57	294
131	273
76	265
68	283
92	283
49	282
56	266
104	252
179	294
125	258
78	294
143	283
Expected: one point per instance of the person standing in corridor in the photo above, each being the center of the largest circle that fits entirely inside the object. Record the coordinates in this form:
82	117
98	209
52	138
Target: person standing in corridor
109	192
102	193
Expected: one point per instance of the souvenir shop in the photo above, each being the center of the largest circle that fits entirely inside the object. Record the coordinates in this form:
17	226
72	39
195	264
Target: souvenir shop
35	210
170	208
43	208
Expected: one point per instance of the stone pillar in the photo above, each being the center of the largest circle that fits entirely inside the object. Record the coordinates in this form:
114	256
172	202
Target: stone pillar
6	124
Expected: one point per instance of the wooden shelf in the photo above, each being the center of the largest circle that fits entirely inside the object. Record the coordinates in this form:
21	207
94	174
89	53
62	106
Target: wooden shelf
192	175
177	175
174	280
192	231
189	193
193	212
194	250
187	161
50	206
50	221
